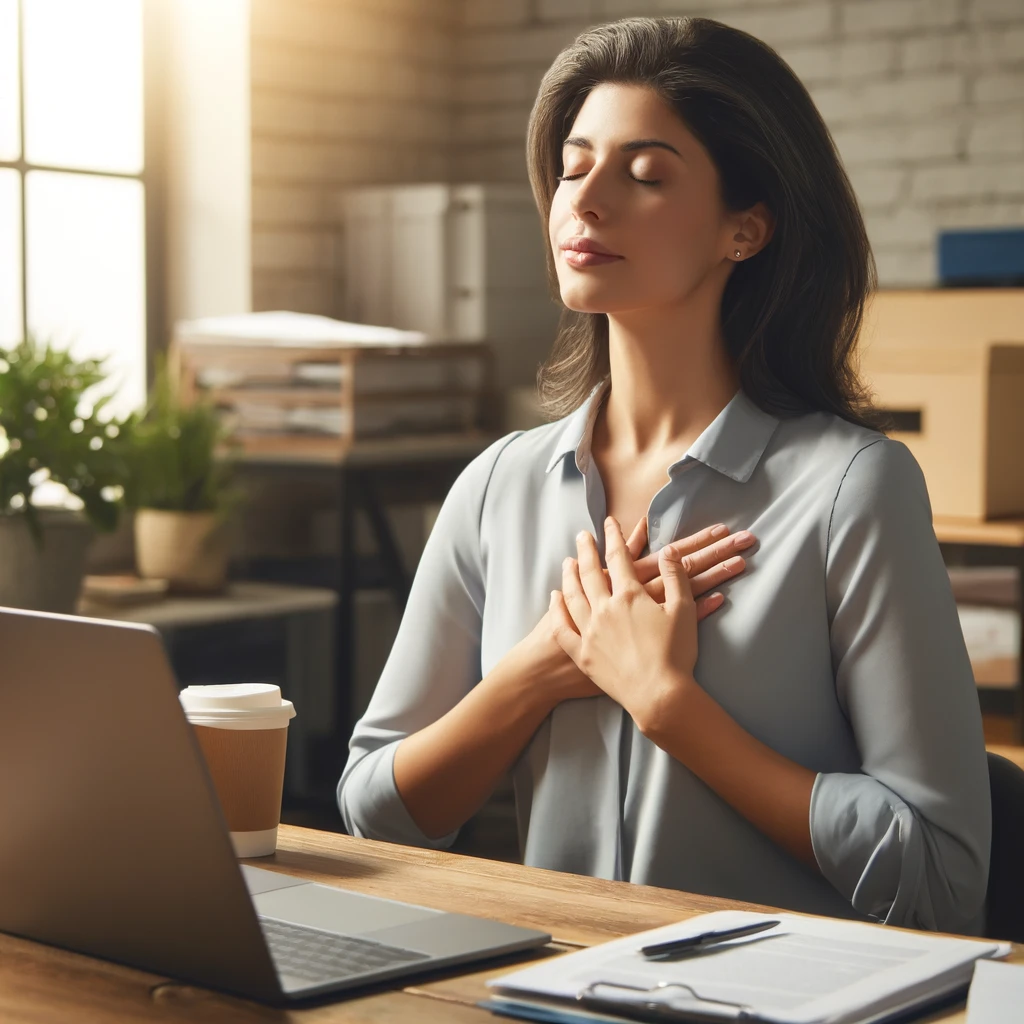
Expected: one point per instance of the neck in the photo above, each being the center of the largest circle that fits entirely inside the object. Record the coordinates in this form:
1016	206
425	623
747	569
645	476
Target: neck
670	377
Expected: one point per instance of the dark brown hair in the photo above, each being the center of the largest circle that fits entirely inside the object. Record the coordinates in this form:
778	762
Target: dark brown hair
792	312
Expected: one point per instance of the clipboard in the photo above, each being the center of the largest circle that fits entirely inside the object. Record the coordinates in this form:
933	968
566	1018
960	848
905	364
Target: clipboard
818	971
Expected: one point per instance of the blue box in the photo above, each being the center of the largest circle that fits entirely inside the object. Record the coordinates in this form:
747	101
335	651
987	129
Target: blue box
982	258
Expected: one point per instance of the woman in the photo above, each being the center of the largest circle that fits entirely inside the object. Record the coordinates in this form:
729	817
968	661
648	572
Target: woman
815	742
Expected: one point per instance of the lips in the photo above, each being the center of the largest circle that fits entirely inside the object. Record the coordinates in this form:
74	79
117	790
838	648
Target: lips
580	243
581	252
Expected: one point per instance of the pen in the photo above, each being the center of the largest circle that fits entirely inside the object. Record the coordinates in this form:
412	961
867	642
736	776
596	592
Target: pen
660	950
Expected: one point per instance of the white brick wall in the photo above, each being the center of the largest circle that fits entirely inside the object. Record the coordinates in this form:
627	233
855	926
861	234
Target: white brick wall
925	99
343	92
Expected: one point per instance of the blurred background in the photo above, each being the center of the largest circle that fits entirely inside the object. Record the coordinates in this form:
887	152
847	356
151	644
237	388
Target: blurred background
172	169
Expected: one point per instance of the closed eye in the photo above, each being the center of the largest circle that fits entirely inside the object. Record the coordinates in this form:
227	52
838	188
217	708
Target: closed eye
642	181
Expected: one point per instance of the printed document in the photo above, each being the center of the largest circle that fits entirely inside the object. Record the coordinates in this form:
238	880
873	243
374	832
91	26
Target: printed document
803	971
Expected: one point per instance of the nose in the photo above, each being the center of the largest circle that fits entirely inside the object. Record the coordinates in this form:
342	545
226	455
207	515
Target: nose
589	198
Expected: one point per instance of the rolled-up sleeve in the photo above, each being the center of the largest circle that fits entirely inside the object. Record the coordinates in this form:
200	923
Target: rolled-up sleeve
433	664
907	840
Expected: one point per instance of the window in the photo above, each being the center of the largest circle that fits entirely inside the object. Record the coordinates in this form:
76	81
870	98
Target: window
73	183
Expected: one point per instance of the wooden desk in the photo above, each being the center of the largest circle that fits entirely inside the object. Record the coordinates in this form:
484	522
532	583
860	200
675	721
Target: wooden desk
39	984
992	542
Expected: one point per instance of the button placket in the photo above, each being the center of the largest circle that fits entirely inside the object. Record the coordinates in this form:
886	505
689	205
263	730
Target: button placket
666	510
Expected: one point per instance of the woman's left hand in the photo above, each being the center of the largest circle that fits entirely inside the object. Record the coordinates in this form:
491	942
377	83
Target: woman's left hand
639	652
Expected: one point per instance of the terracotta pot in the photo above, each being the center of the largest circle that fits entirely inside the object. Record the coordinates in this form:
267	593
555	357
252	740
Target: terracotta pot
189	549
45	578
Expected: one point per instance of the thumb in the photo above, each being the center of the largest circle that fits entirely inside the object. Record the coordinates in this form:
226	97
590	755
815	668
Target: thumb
677	579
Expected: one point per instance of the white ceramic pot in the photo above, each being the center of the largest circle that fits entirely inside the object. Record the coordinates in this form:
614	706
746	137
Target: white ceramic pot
189	549
45	578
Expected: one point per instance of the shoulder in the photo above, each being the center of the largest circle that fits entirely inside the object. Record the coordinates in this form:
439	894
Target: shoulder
880	472
518	460
823	439
881	502
854	471
852	459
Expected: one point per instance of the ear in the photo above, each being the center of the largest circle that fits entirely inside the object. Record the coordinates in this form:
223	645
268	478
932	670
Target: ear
753	229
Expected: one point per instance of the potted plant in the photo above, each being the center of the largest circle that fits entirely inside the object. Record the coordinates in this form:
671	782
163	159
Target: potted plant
55	436
180	486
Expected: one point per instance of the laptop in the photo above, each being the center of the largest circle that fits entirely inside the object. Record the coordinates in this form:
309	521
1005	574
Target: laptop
114	845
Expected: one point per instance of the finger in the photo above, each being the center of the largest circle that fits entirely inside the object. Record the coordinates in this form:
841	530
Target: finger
702	582
637	539
717	575
591	572
700	560
616	554
701	551
710	555
575	599
562	628
705	605
702	538
677	580
647	567
709	604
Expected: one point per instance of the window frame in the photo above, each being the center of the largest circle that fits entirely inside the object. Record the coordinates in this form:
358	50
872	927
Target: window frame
150	177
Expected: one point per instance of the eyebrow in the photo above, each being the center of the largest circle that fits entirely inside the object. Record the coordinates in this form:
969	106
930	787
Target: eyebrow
626	147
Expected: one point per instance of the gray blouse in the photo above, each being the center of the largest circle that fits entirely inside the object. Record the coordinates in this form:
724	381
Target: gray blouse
839	647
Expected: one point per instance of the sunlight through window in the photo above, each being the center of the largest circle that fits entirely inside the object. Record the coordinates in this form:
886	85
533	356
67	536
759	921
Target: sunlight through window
83	84
74	200
10	257
85	270
10	122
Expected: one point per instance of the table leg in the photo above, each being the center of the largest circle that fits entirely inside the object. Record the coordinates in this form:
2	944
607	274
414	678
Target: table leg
344	656
387	547
309	684
1018	695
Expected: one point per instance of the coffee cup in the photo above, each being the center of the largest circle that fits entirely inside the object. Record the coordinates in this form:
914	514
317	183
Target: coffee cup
242	729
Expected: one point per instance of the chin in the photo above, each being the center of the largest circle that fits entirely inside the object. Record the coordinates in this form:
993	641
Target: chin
593	300
585	297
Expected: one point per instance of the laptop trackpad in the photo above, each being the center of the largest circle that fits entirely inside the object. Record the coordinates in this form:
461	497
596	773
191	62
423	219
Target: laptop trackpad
322	906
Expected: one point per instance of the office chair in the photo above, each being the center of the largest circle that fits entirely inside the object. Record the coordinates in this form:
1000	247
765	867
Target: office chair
1005	896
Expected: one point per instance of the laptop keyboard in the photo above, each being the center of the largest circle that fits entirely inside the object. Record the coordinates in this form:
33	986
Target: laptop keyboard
319	956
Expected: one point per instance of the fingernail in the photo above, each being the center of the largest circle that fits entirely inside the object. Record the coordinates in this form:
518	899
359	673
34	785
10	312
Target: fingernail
733	563
743	536
581	535
719	531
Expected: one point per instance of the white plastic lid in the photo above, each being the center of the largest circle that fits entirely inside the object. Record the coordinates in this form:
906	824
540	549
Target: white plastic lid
237	705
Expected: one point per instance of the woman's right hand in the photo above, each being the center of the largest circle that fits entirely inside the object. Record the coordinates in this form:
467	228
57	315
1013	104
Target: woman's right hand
711	557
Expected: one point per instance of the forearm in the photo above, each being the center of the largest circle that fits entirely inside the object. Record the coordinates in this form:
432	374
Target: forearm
769	790
447	770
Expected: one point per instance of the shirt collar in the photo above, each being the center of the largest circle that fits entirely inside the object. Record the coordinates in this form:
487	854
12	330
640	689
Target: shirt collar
732	443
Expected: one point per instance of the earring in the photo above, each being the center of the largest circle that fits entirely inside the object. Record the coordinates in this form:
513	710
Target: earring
738	254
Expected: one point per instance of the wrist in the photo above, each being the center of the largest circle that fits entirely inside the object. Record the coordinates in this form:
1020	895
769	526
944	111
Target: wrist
519	677
666	706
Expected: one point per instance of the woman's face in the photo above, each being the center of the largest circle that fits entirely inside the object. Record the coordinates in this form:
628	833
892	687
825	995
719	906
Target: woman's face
644	189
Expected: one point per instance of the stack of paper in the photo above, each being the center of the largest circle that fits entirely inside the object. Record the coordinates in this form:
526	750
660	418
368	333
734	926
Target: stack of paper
286	329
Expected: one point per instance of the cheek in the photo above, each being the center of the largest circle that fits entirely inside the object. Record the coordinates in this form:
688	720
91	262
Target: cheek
558	219
675	249
673	236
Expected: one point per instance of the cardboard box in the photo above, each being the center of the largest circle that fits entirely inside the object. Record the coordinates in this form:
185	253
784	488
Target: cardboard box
949	365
